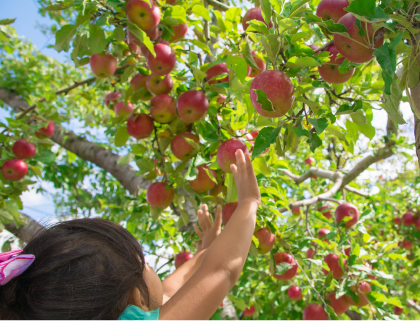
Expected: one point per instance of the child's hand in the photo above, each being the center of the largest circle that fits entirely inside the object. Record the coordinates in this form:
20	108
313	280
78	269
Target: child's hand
208	231
246	182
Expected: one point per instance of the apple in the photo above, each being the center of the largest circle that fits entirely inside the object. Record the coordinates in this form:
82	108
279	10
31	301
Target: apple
332	9
140	125
226	153
164	61
397	221
154	33
157	84
362	298
46	131
14	169
314	312
408	219
398	311
294	293
112	98
287	258
133	43
217	70
347	251
265	240
279	90
249	312
322	232
326	211
163	108
182	257
181	148
220	99
254	14
160	195
260	63
333	262
364	287
352	50
310	161
103	65
310	253
215	191
347	209
180	31
372	277
203	182
122	109
228	211
146	16
296	211
340	305
407	245
138	82
192	105
418	224
329	71
23	149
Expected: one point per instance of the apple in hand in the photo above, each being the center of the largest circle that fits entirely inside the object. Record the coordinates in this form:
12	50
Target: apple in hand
344	210
408	218
160	195
122	109
103	65
23	149
332	9
182	257
14	169
203	182
254	14
181	148
111	99
226	153
228	211
140	125
146	16
294	293
163	109
265	240
329	71
192	105
314	312
285	258
333	262
157	84
249	312
215	71
180	31
47	131
164	61
340	305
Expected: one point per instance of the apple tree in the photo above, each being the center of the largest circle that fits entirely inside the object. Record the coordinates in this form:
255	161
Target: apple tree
142	122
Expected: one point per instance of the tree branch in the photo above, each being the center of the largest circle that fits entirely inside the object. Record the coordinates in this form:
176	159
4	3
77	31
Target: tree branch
218	5
322	48
24	232
414	306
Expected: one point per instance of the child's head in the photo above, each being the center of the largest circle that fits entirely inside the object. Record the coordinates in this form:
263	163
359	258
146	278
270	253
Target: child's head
83	269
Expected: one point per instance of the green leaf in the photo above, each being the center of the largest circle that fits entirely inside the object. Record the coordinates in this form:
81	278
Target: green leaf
155	213
329	24
185	217
392	102
177	12
247	53
265	138
380	297
63	37
124	160
201	12
7	21
271	44
314	141
263	100
257	26
283	267
260	166
232	193
233	14
201	45
387	59
239	303
319	124
367	10
121	136
119	34
62	5
142	36
286	24
299	62
46	157
97	41
127	73
238	64
265	6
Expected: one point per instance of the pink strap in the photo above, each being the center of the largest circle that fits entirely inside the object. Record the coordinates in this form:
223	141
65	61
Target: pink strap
12	264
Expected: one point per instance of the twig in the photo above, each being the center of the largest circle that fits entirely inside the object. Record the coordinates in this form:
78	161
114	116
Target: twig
218	5
307	221
322	48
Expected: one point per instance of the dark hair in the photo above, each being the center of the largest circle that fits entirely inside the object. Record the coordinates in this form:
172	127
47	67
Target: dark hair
83	269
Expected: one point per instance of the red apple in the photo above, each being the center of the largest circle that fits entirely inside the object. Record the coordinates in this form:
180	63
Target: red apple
154	33
265	239
157	84
249	312
163	109
290	273
340	305
138	82
181	148
296	211
364	287
192	105
23	149
180	31
226	153
398	310
362	298
181	258
294	293
164	61
254	14
372	277
228	211
326	211
112	98
314	312
220	99
215	191
397	221
217	70
418	224
310	161
407	245
344	210
333	262
146	16
352	50
332	9
103	65
140	125
160	195
279	90
47	131
322	232
310	253
14	169
203	182
260	63
329	71
347	251
133	43
122	109
408	219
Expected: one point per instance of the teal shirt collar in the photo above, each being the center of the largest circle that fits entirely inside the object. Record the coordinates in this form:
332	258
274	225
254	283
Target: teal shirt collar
133	312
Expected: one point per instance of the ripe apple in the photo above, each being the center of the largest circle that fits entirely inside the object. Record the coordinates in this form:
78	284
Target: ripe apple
111	99
226	153
364	287
407	245
352	50
296	211
163	109
329	71
23	149
203	182
103	65
362	298
157	84
182	149
164	61
133	43
265	239
160	195
192	105
154	33
181	258
14	169
180	31
122	109
290	273
398	311
138	82
260	63
140	125
47	131
322	232
249	312
294	293
333	262
220	99
340	305
347	251
326	211
347	209
408	218
279	90
217	70
310	161
418	224
397	221
372	277
254	14
310	253
332	9
228	211
146	16
314	312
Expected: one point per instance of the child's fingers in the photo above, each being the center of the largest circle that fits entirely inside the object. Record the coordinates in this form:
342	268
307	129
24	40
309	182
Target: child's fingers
240	161
201	220
218	218
207	220
197	231
249	167
234	170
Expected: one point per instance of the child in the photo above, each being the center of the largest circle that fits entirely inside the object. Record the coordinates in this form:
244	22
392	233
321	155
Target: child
95	269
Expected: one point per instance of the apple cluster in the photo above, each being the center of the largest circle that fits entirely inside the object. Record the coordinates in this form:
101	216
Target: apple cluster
407	224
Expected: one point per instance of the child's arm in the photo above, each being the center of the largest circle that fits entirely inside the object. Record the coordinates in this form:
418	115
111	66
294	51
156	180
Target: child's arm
224	259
